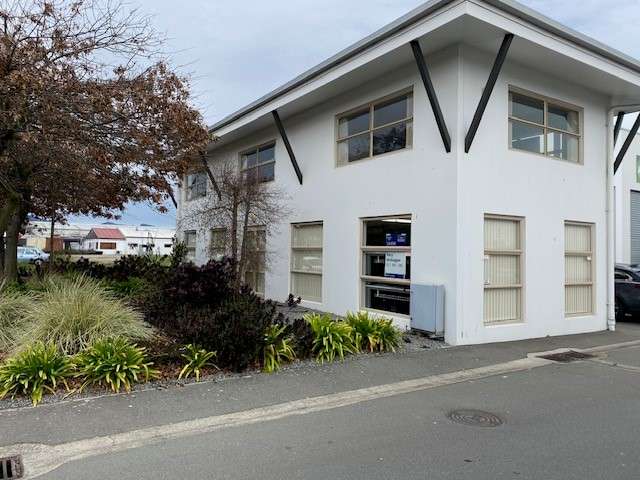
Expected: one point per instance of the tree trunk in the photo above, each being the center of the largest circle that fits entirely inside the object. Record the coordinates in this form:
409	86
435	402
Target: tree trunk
234	229
6	214
11	250
2	231
51	237
242	264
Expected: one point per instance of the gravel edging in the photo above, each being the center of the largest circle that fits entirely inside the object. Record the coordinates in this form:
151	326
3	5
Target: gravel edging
412	342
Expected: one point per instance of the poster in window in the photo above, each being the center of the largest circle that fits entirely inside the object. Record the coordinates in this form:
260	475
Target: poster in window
395	264
396	239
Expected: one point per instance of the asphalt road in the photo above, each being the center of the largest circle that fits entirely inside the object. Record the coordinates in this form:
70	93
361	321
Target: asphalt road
574	421
561	421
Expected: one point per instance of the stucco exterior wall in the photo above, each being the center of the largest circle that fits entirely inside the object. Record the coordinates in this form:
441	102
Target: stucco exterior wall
447	196
546	192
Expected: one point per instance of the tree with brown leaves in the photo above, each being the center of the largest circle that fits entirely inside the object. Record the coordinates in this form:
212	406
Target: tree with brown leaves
90	118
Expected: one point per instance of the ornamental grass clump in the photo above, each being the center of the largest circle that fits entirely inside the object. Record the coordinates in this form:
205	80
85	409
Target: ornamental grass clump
72	313
373	334
13	305
278	348
196	359
331	338
114	363
33	371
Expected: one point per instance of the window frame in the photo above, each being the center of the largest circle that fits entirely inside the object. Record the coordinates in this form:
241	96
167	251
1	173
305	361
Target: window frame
520	253
293	249
408	91
190	197
256	149
363	278
545	127
592	263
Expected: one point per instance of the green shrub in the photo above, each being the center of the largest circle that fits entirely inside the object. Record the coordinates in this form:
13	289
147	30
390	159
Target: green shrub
277	348
365	330
197	358
373	334
388	336
40	367
13	305
73	313
131	287
303	337
331	338
115	363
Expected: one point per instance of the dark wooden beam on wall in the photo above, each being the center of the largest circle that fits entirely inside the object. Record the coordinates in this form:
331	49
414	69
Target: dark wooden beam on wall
617	127
626	144
287	145
431	93
488	89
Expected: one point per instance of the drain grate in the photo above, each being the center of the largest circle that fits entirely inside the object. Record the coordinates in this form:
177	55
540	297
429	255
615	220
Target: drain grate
568	356
10	468
475	418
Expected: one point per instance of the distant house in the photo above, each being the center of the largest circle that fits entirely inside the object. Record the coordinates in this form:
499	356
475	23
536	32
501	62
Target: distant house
109	241
145	239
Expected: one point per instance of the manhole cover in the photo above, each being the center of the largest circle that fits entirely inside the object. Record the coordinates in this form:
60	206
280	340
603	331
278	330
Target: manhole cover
10	468
475	418
568	356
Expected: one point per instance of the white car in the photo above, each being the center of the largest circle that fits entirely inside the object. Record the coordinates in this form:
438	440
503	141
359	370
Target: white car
32	255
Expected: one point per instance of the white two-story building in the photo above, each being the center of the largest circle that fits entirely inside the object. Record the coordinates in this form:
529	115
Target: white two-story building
465	145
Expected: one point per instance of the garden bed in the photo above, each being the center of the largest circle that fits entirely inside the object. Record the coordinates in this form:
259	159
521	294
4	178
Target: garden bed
412	343
155	321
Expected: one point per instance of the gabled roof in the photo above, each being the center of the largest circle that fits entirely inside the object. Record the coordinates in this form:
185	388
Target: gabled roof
508	6
106	234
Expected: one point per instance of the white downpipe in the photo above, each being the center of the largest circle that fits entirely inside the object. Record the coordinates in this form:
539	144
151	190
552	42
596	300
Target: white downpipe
611	241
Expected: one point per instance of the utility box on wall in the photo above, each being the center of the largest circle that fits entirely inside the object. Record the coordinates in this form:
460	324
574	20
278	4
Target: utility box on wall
427	308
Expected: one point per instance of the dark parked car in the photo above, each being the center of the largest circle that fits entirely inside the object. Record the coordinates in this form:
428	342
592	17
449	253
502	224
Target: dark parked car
627	291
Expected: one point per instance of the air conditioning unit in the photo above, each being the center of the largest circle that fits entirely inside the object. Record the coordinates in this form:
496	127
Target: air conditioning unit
427	308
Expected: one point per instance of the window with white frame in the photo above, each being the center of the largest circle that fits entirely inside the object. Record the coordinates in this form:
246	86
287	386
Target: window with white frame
544	126
196	185
377	128
306	261
259	163
190	241
218	243
386	264
503	259
578	268
256	251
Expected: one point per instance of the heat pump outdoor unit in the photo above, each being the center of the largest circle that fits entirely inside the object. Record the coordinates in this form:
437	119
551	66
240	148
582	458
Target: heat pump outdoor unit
427	308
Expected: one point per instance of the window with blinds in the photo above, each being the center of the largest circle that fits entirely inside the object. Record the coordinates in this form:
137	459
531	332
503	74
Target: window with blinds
306	261
578	268
190	240
503	281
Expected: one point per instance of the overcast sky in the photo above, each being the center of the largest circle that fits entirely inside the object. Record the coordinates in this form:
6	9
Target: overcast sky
237	50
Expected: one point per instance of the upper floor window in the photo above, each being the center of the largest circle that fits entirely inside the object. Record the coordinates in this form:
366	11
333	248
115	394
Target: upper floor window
380	127
258	164
544	126
637	168
196	185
